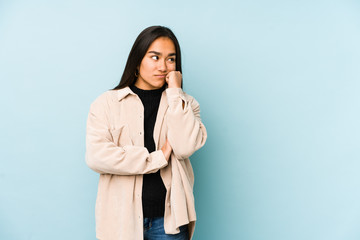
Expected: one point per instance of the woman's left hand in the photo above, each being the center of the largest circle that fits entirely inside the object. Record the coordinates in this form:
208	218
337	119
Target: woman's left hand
174	79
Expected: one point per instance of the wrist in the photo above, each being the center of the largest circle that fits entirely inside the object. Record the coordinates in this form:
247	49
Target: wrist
174	86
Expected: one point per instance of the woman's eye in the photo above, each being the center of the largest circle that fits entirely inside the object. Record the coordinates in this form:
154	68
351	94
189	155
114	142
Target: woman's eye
172	59
155	57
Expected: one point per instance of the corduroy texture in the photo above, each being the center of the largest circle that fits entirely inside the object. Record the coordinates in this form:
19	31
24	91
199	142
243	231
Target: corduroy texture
153	191
115	149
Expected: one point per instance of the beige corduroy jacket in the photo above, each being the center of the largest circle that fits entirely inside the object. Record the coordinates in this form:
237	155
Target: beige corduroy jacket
115	149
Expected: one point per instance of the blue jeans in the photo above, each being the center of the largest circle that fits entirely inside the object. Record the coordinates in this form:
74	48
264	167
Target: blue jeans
154	230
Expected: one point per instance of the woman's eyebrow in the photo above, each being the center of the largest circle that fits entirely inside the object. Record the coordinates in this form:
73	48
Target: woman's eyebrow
157	53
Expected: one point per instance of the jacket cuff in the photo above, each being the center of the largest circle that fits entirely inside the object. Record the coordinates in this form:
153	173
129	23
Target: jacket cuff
173	94
158	159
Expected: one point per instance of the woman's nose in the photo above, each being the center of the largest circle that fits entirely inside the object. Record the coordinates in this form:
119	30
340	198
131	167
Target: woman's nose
162	66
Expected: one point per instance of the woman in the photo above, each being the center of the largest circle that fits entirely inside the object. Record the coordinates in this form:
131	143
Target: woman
139	138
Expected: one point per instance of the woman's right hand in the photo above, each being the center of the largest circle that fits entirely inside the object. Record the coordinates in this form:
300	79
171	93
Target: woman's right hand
167	149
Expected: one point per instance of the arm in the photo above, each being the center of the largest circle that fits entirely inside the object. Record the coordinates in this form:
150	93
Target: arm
105	157
186	132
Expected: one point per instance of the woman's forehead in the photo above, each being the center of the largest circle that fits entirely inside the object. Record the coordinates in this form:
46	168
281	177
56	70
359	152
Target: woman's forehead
162	45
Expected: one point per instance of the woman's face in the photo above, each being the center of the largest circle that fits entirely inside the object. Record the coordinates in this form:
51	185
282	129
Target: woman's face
158	61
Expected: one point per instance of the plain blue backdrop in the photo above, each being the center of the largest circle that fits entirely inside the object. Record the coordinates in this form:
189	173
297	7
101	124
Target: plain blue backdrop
278	83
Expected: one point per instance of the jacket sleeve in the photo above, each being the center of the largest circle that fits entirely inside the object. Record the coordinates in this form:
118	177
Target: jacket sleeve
106	157
186	132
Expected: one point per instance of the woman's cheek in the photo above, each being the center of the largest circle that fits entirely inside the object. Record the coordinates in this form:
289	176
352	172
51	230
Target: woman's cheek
171	68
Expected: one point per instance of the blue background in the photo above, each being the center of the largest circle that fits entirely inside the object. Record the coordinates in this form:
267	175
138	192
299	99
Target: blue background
278	83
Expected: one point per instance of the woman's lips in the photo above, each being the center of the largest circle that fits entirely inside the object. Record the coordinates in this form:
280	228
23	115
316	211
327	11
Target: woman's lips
160	76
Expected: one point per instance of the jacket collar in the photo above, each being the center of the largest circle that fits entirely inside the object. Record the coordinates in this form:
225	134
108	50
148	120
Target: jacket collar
123	92
163	106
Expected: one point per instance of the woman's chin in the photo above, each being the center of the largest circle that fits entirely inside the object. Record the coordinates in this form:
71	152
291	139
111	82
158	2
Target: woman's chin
159	84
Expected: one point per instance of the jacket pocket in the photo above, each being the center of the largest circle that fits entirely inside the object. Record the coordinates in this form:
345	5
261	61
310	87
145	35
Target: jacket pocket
121	136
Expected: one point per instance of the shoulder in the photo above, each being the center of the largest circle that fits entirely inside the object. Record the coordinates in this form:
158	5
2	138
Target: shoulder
104	100
107	96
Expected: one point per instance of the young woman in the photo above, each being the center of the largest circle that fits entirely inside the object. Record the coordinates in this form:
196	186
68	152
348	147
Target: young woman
139	138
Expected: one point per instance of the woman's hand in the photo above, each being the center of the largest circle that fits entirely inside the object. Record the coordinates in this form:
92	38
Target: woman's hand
173	79
167	149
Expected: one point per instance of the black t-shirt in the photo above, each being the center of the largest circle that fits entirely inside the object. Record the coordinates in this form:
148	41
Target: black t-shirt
153	191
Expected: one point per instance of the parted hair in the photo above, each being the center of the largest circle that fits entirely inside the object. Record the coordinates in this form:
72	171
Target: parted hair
139	49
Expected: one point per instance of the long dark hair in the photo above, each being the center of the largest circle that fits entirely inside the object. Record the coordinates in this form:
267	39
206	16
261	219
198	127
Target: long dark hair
139	49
